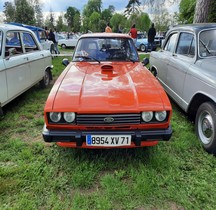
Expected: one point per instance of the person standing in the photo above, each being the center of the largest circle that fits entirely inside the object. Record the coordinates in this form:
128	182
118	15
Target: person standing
133	33
108	28
51	37
151	37
56	43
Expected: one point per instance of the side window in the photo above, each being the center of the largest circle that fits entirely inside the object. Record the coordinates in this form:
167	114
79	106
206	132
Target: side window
13	44
29	42
186	45
169	46
42	35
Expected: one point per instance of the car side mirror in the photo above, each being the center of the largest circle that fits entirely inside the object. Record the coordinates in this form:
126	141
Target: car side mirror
65	62
145	61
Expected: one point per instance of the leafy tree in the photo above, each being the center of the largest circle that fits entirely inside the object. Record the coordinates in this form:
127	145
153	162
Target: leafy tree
212	12
70	14
77	22
49	21
94	22
24	12
106	15
143	22
162	19
38	13
9	11
186	11
202	9
132	7
59	23
92	6
117	21
19	11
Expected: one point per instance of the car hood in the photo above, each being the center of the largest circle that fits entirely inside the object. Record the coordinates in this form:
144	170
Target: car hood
92	87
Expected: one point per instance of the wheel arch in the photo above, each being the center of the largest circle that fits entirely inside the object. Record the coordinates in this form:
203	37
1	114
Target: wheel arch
196	101
1	110
49	70
154	70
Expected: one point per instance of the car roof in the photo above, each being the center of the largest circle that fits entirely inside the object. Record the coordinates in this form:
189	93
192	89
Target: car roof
8	27
33	28
105	35
194	27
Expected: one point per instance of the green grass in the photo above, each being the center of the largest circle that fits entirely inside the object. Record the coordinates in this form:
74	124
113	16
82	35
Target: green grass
177	174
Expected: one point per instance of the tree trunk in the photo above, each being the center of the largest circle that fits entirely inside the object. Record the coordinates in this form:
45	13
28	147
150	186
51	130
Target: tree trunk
201	11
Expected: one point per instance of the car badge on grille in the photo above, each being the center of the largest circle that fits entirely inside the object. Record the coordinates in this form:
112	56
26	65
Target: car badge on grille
108	119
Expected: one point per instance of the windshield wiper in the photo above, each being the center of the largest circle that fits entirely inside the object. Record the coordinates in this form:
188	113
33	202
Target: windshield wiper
205	46
87	57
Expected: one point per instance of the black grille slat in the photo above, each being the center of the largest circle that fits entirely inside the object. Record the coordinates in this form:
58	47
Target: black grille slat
98	119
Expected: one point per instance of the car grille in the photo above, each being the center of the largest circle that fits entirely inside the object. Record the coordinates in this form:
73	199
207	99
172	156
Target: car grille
108	119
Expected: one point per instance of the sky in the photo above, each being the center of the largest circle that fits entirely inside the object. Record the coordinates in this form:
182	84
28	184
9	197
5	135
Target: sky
61	5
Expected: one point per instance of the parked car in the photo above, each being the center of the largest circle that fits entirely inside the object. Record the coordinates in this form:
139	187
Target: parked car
23	62
41	35
185	66
71	42
106	98
61	36
142	43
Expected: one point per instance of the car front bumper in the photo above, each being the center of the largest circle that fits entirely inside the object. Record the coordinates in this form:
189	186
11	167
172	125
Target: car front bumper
79	137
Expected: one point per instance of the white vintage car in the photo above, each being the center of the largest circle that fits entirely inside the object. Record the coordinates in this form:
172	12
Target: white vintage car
71	42
186	67
23	62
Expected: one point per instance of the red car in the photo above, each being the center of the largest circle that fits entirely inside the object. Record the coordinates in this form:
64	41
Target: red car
106	98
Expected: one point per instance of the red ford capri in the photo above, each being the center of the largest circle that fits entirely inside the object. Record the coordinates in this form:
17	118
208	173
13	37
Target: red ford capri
106	98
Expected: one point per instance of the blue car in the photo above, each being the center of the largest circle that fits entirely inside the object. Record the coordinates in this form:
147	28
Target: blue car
142	42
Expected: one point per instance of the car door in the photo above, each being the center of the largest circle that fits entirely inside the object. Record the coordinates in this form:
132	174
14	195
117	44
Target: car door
35	55
163	59
72	41
3	80
17	65
179	63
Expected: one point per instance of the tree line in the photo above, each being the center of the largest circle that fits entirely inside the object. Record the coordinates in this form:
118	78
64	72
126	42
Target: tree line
94	18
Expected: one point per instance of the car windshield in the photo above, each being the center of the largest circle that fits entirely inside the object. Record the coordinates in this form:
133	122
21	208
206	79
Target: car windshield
207	43
105	49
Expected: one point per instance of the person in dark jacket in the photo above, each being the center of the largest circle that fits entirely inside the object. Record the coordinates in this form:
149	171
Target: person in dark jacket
151	37
51	37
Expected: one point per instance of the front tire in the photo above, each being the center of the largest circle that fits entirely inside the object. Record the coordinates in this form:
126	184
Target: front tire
206	126
142	47
46	79
63	46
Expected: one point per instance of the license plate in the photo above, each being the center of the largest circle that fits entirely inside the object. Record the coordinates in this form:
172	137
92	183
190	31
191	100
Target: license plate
108	140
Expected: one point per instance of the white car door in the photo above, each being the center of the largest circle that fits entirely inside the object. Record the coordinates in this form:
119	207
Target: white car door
164	58
35	56
178	66
17	65
3	80
3	83
72	41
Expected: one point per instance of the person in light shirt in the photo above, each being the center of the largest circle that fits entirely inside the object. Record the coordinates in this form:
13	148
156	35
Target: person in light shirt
108	29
